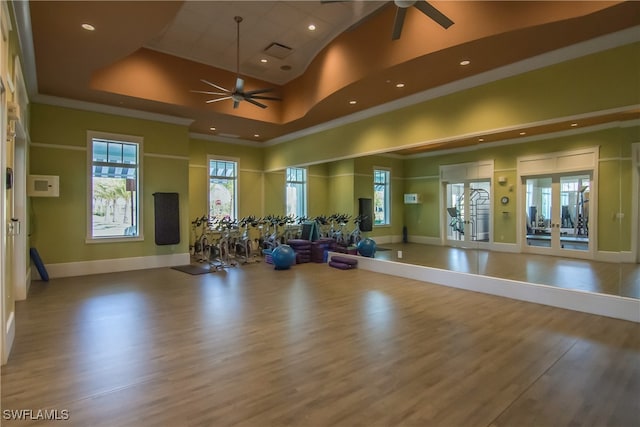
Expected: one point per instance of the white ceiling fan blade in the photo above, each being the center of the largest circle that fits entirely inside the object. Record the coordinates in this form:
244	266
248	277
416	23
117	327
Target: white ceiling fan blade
239	85
218	99
214	85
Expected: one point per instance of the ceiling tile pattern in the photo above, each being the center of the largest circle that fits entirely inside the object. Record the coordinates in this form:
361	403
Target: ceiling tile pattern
206	32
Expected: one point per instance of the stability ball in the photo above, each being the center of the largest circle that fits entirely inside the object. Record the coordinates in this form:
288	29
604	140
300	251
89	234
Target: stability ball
283	257
367	247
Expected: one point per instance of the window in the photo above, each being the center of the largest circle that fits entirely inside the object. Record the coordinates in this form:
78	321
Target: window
381	205
114	187
223	184
297	192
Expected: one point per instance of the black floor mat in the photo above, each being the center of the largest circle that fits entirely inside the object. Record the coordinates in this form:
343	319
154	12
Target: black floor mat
193	269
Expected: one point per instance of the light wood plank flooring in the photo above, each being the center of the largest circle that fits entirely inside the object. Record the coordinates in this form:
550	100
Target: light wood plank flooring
621	279
312	346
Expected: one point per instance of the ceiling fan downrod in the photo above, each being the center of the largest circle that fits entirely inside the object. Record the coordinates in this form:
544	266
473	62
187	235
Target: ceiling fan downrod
238	20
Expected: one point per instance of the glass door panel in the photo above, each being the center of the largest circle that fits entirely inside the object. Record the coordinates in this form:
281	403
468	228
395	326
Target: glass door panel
468	212
479	211
455	212
557	213
574	216
538	204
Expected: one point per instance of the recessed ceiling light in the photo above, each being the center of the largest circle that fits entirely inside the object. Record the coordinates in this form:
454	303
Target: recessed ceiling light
88	27
256	135
212	128
465	62
523	133
263	60
353	102
480	139
400	85
574	124
311	27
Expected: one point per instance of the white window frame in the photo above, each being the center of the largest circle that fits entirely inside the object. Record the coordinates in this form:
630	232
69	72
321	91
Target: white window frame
130	139
236	196
387	201
304	183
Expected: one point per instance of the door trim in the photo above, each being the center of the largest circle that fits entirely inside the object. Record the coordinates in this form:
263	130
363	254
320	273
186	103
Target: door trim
635	214
557	164
465	173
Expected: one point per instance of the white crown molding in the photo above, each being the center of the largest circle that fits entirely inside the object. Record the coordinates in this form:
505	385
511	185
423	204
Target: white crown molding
522	140
599	44
226	140
108	109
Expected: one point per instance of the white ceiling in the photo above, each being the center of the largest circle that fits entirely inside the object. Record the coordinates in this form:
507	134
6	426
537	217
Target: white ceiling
205	31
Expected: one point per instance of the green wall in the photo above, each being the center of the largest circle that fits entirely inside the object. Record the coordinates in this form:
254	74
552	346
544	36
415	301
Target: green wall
614	184
596	82
174	161
59	139
340	187
317	184
250	176
274	193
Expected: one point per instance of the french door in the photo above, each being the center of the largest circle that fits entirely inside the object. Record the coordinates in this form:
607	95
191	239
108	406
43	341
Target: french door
468	212
556	213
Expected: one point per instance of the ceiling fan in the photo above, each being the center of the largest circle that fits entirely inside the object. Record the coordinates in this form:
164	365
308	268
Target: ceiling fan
238	93
422	6
402	6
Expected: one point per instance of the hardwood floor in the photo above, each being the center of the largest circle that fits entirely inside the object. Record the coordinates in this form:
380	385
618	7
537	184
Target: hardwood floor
621	279
311	346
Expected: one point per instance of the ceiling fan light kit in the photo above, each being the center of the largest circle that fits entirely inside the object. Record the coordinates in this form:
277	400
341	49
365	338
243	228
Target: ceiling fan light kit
238	94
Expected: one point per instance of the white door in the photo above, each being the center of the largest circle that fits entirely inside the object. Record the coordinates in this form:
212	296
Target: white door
467	213
556	214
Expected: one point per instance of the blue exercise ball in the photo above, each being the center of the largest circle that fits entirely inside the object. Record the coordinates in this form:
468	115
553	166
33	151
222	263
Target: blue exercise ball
283	257
367	247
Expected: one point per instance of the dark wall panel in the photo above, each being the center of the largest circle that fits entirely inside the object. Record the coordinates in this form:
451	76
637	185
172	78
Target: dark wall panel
366	210
167	217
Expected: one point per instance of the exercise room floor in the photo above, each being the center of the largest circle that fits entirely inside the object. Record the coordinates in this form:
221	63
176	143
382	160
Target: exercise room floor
311	346
621	279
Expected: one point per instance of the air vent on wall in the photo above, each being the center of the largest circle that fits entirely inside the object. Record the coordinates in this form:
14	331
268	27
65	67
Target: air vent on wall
278	50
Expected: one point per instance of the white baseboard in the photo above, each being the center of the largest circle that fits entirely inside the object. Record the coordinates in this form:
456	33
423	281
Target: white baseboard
425	240
83	268
609	256
505	247
587	302
385	239
605	256
28	280
11	334
22	289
